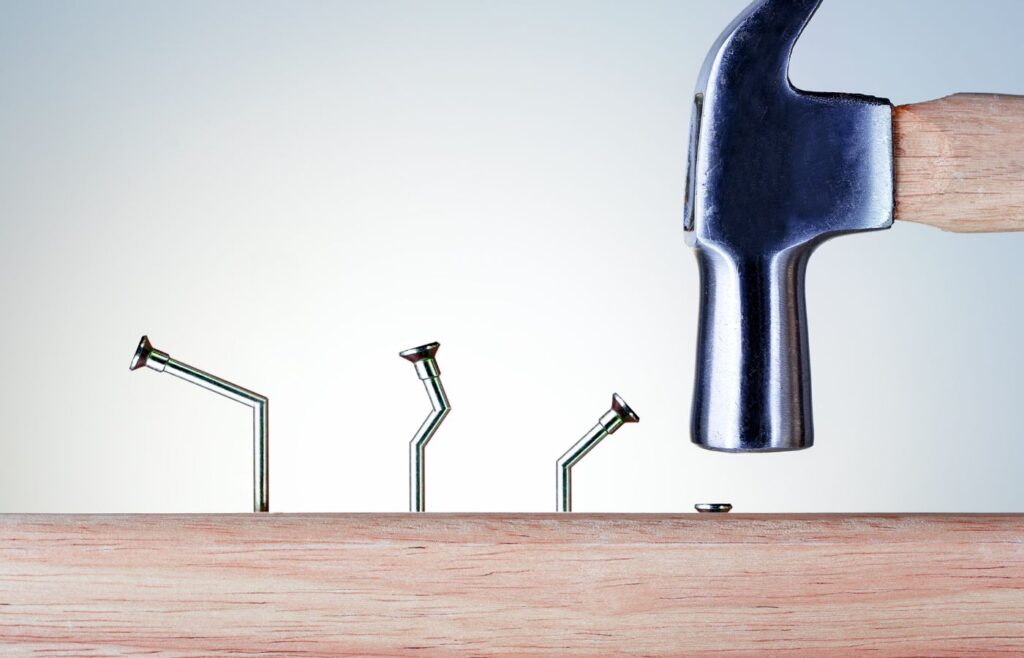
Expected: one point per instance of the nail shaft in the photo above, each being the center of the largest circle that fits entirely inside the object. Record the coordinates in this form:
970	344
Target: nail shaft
148	356
426	368
608	424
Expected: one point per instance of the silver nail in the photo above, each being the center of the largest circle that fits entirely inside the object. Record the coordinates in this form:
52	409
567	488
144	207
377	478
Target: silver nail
148	356
426	368
609	423
712	508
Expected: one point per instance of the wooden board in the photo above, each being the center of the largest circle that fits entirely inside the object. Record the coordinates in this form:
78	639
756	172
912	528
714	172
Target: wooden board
511	585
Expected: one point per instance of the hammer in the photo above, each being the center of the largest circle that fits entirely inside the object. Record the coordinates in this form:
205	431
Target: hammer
774	171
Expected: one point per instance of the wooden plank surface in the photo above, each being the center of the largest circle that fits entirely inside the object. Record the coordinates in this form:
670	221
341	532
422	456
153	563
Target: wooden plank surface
959	162
511	585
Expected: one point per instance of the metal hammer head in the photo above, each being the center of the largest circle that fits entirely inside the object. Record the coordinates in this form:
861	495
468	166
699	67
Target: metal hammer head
774	171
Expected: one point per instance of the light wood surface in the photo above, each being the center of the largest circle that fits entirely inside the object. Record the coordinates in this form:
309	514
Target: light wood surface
959	163
511	585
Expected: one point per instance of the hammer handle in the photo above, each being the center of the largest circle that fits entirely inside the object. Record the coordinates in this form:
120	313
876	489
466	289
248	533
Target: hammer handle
959	163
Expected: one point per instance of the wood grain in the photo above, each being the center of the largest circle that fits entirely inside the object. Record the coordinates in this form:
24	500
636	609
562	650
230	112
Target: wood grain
511	585
959	162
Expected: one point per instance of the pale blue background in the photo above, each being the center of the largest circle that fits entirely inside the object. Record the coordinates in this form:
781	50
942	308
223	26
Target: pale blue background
287	194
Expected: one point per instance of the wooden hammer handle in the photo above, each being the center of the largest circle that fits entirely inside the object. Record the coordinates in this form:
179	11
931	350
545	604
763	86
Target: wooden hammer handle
959	163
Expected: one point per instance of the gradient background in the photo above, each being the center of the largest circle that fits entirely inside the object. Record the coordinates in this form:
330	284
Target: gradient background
287	194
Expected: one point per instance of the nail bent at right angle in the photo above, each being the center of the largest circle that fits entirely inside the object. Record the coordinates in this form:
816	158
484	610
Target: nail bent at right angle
147	356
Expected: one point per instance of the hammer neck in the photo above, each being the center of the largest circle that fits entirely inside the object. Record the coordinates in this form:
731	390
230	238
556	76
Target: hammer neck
752	390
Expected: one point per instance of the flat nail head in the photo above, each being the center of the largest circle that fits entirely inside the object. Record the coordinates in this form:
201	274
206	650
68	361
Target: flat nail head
712	508
419	353
620	407
142	353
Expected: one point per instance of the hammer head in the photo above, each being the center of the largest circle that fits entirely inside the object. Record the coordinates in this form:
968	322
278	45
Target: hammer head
774	171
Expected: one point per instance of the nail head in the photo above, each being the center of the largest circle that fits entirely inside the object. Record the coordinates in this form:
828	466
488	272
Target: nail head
419	353
142	353
712	508
620	407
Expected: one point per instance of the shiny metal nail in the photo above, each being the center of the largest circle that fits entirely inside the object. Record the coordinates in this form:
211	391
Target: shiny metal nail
148	356
712	508
426	368
609	423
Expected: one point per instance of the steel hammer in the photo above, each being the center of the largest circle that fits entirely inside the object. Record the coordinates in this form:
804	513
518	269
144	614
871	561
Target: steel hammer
774	171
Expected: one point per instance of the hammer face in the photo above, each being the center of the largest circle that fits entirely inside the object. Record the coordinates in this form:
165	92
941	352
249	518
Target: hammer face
774	171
